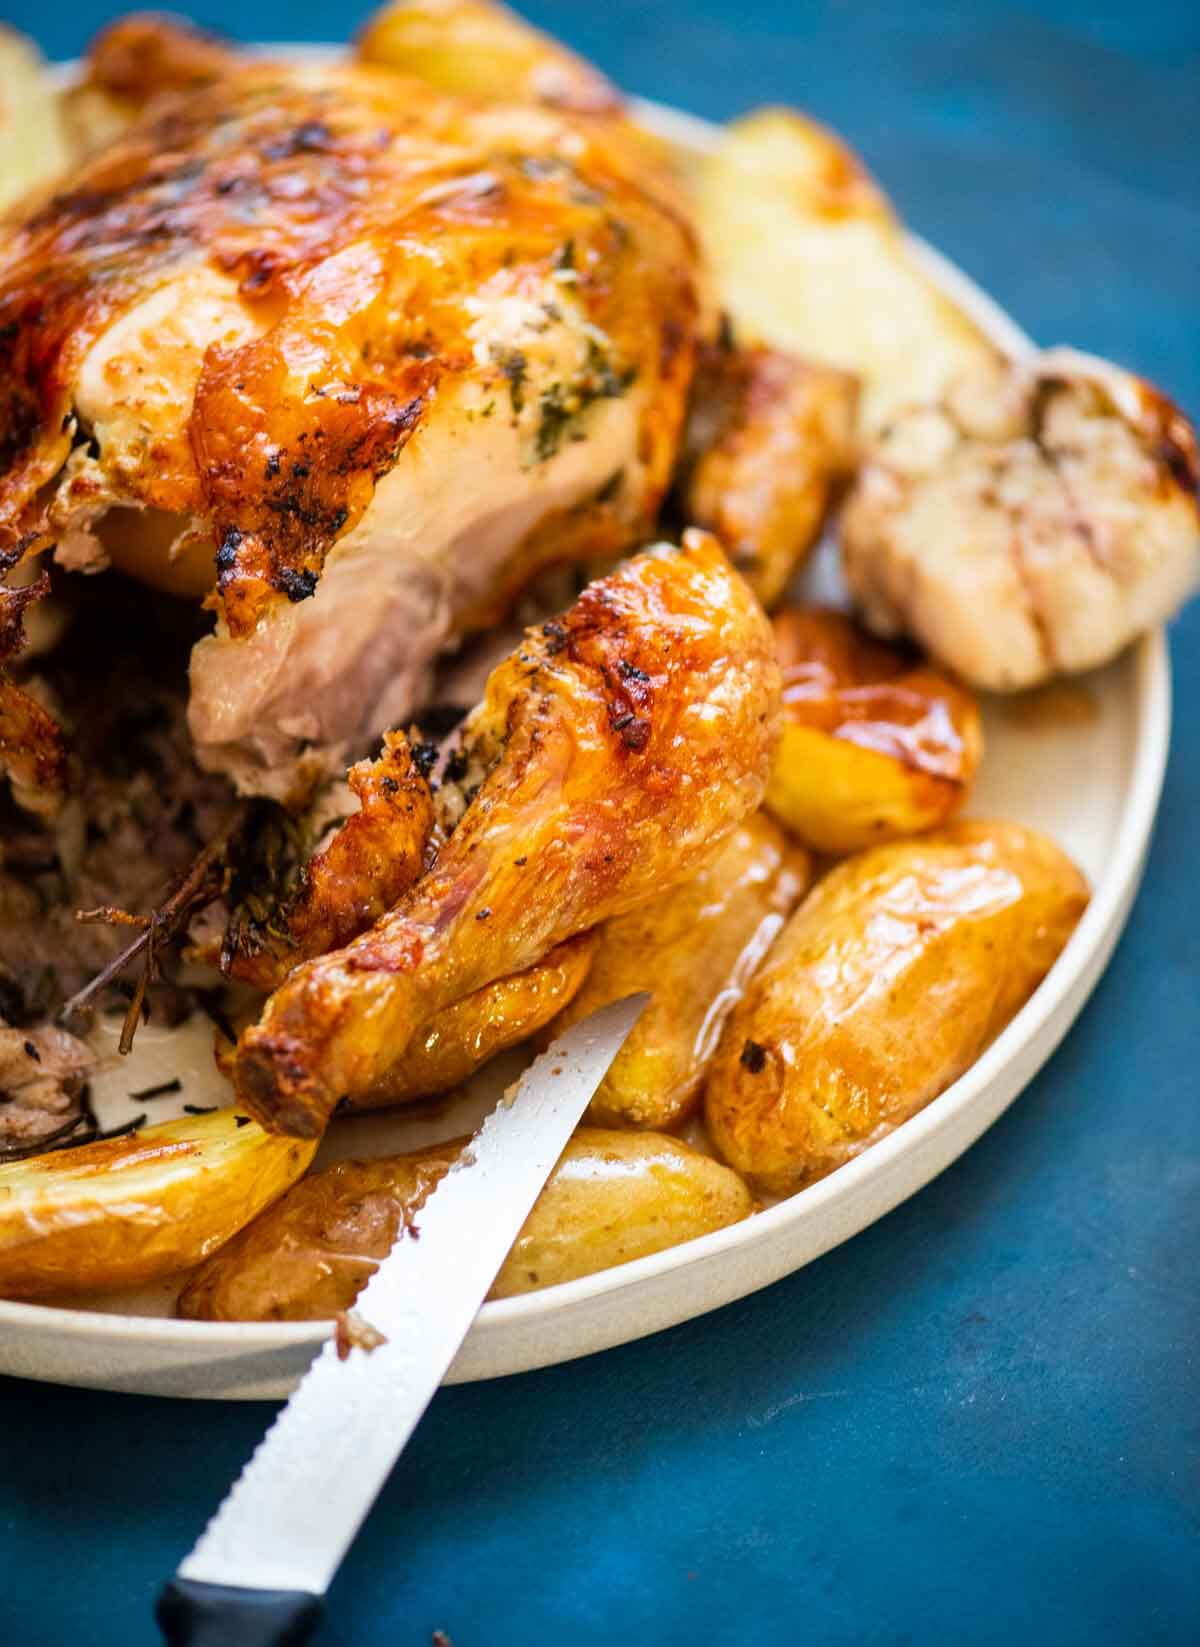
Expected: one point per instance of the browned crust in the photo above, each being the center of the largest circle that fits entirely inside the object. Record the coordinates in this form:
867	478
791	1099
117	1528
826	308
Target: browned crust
321	195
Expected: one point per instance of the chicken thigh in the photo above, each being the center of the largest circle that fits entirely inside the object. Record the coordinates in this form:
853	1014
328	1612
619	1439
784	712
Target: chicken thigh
620	746
350	358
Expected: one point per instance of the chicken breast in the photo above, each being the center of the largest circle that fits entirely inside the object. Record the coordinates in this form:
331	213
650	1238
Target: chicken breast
1030	524
351	358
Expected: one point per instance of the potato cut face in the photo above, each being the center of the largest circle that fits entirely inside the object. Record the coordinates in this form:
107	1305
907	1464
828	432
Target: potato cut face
877	744
128	1210
808	254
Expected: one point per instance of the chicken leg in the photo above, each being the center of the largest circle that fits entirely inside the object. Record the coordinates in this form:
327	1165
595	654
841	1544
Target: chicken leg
626	741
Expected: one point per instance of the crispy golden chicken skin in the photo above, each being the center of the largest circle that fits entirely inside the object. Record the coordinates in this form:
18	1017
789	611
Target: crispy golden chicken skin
350	354
373	857
694	949
461	1038
629	739
613	1197
888	982
876	744
769	438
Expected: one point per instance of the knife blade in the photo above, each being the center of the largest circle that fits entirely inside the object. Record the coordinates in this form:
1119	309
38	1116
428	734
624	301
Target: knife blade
257	1573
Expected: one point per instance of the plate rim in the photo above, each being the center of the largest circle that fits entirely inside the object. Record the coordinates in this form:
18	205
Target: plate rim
1101	924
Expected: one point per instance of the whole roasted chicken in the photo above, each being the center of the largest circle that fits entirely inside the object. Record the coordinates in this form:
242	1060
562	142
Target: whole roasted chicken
348	356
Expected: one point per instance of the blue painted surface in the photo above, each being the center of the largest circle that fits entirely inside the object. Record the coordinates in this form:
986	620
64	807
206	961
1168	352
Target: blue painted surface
976	1423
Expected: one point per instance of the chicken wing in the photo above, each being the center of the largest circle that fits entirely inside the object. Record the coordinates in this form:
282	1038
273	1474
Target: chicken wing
1031	523
344	354
769	438
625	742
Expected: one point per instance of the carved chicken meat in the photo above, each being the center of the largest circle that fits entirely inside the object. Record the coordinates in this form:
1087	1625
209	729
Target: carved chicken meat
619	748
351	358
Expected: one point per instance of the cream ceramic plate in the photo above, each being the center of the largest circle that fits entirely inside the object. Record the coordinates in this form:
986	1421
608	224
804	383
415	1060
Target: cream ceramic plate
1083	762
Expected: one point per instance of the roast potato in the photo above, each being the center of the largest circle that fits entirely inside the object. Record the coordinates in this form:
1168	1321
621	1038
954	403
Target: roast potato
883	988
127	1210
480	50
876	744
34	148
769	439
613	1197
809	255
694	949
459	1039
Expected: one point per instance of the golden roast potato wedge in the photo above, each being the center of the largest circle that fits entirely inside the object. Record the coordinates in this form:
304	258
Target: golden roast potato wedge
477	49
613	1197
34	147
125	1211
809	255
695	949
459	1039
888	982
876	744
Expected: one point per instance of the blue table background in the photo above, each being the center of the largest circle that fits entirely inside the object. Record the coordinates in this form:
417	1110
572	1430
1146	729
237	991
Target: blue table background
977	1422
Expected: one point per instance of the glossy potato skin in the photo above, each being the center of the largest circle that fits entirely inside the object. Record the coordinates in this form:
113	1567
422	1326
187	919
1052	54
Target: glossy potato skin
694	949
617	1196
890	980
613	1197
876	744
462	1037
126	1211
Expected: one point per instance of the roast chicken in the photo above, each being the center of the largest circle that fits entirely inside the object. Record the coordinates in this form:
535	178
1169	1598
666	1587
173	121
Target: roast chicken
617	749
349	358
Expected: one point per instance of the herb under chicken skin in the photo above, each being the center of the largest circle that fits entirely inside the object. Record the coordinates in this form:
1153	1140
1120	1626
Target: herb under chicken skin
562	404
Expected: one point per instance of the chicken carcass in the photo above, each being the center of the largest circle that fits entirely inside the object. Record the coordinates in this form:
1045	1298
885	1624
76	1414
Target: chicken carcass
620	747
1030	524
351	358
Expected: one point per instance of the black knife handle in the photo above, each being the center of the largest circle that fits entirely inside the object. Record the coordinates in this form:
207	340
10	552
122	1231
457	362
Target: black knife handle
191	1614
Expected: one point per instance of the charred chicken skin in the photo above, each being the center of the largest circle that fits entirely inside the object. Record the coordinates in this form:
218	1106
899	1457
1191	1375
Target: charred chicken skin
351	358
621	744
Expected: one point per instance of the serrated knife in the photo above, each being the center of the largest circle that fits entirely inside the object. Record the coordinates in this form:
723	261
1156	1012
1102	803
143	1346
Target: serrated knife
258	1573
